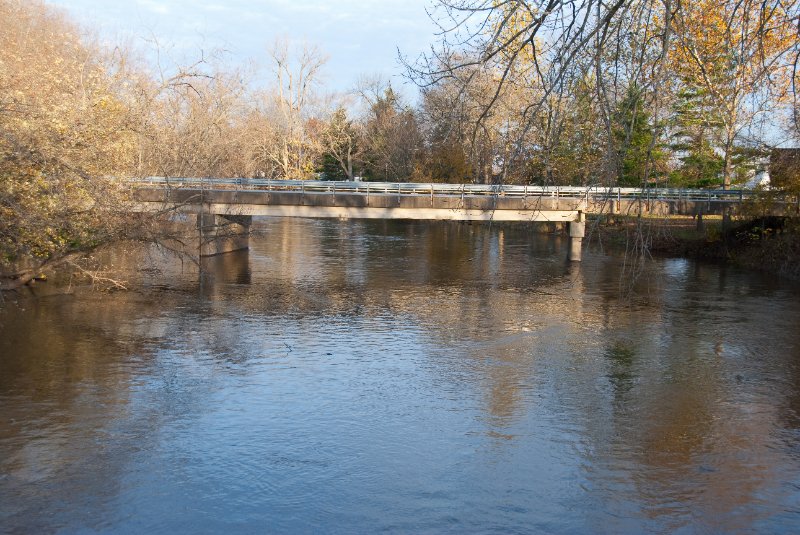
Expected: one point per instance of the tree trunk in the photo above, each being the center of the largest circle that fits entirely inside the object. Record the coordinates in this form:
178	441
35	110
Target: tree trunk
726	182
727	170
349	170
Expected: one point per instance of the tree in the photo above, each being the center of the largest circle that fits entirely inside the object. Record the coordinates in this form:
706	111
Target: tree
341	147
538	53
638	150
462	144
283	141
65	126
734	56
392	138
76	120
540	39
731	56
701	165
447	121
567	139
193	124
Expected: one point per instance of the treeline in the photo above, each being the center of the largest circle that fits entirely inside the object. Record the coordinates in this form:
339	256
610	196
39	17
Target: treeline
691	94
629	92
632	93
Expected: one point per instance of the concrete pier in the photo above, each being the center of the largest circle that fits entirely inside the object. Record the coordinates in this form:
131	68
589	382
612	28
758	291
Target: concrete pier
577	229
223	234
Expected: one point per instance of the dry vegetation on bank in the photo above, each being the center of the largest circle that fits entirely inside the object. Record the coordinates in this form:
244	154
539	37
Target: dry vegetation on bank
768	244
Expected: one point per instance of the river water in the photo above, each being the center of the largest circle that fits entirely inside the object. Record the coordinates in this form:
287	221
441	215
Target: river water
358	377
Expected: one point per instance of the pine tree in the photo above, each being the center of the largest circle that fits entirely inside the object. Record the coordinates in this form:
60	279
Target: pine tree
693	136
638	156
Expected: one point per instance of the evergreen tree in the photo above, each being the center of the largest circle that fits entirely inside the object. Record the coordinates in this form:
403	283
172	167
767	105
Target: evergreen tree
330	168
393	140
341	147
693	141
638	157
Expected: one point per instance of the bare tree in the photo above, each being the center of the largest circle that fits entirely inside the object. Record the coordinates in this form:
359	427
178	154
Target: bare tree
549	35
391	133
286	142
194	125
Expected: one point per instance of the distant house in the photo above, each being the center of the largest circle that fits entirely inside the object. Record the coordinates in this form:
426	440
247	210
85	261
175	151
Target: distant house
761	179
784	168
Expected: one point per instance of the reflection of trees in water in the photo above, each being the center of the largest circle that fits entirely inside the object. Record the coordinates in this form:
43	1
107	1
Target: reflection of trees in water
468	285
88	383
699	436
65	379
621	356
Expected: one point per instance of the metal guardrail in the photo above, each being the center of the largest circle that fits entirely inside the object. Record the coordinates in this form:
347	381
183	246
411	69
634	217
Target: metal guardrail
594	193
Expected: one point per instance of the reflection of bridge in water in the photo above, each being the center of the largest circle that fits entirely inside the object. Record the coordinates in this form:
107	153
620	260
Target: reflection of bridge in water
225	207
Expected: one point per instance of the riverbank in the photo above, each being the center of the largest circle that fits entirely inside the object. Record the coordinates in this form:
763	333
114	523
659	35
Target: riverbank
771	245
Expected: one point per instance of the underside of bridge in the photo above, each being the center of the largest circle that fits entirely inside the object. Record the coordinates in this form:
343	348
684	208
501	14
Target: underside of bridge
220	234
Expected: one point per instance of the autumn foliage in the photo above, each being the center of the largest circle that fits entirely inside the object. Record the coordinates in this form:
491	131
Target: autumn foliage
65	126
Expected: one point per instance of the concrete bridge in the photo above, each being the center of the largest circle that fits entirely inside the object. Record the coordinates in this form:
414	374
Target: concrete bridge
225	207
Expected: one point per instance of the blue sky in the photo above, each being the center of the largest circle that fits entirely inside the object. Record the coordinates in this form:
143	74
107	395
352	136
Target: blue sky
361	37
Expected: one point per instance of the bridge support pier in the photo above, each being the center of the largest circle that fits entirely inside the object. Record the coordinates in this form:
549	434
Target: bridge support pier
577	229
223	234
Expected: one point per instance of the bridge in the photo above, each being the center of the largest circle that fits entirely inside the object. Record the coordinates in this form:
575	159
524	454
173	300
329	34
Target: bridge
225	207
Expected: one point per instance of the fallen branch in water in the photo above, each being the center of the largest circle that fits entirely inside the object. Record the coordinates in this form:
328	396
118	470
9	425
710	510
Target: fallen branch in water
99	277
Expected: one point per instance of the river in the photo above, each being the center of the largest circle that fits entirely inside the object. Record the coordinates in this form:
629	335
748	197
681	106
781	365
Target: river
361	377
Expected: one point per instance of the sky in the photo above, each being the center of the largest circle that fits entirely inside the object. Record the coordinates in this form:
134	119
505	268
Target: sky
360	37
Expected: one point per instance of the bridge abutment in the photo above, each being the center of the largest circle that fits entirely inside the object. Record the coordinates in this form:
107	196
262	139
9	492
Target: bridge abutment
223	234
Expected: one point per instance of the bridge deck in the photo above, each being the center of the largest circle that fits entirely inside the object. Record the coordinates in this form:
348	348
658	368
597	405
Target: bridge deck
361	206
236	201
379	200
